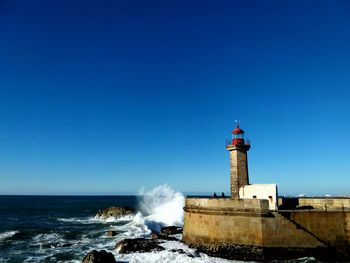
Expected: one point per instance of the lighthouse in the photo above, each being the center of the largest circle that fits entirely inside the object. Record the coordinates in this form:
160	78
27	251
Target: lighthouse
238	147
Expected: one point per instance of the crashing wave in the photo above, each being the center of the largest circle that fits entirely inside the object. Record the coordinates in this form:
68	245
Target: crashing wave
162	206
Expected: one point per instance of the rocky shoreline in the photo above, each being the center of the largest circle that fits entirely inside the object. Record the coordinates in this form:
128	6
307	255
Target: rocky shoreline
139	245
133	245
268	254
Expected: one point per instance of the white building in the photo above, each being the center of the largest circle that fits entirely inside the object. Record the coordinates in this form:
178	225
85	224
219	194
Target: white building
261	191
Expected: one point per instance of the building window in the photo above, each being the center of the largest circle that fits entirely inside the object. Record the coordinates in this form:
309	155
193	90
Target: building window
254	196
270	197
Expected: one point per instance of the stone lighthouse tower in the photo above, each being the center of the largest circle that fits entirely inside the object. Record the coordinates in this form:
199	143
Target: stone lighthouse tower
238	148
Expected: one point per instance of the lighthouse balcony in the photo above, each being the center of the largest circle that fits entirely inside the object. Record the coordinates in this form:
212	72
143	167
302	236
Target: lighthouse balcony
235	142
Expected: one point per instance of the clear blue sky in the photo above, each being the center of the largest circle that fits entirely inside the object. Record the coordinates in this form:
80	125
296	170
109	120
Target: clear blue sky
104	97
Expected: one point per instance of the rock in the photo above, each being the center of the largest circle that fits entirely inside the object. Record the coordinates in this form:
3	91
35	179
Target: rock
138	245
170	230
154	235
166	232
163	237
114	211
189	254
111	233
102	256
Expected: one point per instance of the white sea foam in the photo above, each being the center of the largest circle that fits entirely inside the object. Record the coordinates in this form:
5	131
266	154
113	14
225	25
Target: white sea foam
7	234
110	219
162	206
96	219
120	218
45	241
167	256
46	237
89	220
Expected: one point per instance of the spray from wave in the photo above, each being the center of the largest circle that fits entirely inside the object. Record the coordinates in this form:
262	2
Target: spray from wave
161	206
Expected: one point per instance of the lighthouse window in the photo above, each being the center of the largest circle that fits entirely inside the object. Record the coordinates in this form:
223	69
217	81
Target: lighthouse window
254	196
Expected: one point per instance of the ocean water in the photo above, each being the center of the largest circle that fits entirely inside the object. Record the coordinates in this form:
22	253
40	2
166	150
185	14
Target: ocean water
64	228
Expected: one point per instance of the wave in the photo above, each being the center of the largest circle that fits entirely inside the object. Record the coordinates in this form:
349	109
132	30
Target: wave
51	237
89	220
161	206
175	252
7	234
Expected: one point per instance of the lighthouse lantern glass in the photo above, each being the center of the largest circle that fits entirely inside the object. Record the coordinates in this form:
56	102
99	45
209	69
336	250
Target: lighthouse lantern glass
238	136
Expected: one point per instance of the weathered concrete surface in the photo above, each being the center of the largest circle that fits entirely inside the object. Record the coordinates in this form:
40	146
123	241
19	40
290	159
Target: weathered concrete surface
339	203
222	205
245	229
325	203
333	227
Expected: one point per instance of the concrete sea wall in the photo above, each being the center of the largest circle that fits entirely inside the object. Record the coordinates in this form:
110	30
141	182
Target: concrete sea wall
245	229
333	227
210	221
315	203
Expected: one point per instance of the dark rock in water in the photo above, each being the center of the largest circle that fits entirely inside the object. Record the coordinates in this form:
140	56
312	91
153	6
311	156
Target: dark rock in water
181	251
267	254
170	230
138	245
167	232
111	233
102	256
163	237
114	211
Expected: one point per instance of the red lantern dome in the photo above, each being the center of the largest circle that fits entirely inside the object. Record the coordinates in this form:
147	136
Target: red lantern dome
238	138
237	130
237	135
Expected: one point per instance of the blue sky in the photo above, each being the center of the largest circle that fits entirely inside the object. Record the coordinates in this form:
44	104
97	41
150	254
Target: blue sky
106	97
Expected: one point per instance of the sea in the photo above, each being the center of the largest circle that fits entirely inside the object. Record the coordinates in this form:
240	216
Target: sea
65	228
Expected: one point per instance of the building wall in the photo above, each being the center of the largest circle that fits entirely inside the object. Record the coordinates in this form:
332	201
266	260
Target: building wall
333	227
314	203
211	229
243	224
278	231
261	191
226	204
325	203
248	222
216	220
